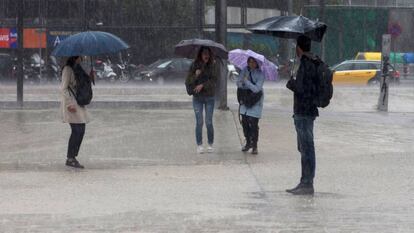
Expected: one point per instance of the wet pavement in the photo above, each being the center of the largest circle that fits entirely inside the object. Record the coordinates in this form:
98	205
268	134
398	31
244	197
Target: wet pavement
136	95
143	175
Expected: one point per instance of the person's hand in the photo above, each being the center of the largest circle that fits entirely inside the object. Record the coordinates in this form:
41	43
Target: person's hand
244	79
72	108
198	88
92	74
198	72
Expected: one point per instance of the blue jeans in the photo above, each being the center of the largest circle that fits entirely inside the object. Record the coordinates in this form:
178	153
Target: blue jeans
306	147
200	102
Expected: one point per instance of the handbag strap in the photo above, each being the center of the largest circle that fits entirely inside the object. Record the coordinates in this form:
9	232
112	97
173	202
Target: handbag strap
73	93
251	78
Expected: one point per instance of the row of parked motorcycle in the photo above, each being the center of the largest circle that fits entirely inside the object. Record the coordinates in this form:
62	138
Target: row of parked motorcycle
167	70
36	70
123	71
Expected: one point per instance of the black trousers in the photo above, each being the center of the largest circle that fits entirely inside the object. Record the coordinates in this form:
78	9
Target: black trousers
251	130
75	140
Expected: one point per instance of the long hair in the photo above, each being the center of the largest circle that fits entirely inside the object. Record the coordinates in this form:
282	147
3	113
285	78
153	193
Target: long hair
71	62
198	63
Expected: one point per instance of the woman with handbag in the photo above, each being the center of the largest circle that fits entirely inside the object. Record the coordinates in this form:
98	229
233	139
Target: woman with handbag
201	83
73	113
250	96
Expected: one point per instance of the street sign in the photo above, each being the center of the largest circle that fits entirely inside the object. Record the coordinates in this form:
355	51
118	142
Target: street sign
395	29
386	46
8	38
34	38
55	37
13	38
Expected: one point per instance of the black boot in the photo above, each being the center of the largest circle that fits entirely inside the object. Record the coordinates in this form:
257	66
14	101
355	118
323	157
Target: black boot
302	189
247	147
72	162
255	151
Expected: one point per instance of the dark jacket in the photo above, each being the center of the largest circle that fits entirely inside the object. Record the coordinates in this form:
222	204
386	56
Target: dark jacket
208	78
304	88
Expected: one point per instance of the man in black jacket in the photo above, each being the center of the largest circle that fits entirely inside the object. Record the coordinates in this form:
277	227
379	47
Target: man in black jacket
305	112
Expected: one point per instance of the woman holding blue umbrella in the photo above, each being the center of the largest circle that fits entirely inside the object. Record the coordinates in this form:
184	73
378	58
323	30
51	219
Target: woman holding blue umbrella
250	94
74	78
72	112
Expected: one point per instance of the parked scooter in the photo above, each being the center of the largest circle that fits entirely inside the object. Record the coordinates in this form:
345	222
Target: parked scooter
34	69
104	71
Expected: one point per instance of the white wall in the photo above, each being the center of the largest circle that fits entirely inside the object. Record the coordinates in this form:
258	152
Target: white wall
254	14
234	14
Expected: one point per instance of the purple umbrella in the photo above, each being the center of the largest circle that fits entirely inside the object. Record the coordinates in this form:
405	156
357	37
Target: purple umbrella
238	57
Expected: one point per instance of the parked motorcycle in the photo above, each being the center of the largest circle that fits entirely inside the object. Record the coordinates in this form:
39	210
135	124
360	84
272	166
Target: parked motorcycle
123	74
127	71
104	71
34	69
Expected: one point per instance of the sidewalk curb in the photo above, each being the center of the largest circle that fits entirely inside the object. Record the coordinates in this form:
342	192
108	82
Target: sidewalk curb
13	105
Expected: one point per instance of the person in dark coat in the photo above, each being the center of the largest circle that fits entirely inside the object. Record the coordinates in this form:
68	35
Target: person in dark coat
305	112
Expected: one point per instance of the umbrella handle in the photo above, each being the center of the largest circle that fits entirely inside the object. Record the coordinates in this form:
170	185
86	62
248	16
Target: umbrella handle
292	68
92	73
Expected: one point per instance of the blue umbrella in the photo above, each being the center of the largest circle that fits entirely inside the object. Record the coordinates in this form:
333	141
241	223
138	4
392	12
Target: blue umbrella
90	43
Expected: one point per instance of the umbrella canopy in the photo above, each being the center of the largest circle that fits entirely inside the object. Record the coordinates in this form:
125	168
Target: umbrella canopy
89	43
238	57
290	27
190	48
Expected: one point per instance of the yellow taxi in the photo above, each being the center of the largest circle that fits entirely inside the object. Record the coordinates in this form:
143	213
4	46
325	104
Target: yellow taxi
360	72
371	56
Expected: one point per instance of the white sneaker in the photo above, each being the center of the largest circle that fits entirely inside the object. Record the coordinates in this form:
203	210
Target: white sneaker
210	149
200	149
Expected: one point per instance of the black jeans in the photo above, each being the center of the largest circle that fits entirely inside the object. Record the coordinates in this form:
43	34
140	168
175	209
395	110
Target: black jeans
75	140
306	147
251	130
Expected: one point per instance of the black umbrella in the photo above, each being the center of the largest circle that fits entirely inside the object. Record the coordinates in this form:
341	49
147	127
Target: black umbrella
190	48
290	27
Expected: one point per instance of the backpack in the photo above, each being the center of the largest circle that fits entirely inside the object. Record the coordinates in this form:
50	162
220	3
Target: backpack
323	83
83	93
